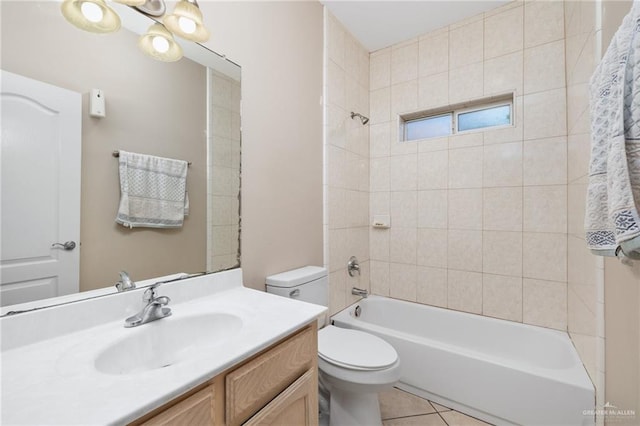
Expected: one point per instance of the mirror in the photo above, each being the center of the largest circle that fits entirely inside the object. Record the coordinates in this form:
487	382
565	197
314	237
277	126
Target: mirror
187	110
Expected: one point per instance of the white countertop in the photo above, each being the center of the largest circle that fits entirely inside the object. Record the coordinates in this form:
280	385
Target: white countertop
52	380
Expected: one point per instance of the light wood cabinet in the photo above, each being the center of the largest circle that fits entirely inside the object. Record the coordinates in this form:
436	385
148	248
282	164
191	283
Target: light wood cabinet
278	386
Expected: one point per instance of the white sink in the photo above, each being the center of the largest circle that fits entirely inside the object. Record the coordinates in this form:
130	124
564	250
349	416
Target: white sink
166	342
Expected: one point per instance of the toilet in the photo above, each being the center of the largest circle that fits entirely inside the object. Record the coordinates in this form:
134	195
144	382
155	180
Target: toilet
353	365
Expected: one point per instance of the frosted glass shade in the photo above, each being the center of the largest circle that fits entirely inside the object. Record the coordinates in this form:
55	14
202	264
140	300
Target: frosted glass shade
159	44
91	15
131	2
186	22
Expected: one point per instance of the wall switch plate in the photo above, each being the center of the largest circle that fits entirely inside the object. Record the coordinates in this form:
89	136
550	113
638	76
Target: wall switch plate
97	104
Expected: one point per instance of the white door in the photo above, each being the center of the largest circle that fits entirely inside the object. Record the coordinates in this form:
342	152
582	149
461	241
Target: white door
40	189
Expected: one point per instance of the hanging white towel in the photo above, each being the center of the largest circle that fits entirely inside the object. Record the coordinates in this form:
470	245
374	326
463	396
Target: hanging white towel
153	191
613	198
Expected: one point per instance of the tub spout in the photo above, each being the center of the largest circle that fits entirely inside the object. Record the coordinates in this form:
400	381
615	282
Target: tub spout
359	292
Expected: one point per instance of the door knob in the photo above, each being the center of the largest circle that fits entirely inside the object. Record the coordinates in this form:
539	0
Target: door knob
69	245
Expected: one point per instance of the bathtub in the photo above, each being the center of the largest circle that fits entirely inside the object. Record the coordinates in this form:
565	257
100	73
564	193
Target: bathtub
500	371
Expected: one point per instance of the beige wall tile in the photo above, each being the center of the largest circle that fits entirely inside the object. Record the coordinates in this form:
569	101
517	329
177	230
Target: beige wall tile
579	153
404	280
335	127
404	63
544	256
404	209
432	209
337	294
545	161
545	114
404	97
502	165
464	291
543	22
582	265
465	209
336	90
502	209
402	245
578	109
431	145
380	69
466	44
544	303
379	244
380	105
432	247
545	208
433	169
502	297
464	250
434	54
466	140
433	91
403	173
576	206
503	33
508	134
466	82
379	174
335	41
380	136
503	74
581	309
544	67
465	168
431	286
379	276
337	210
502	253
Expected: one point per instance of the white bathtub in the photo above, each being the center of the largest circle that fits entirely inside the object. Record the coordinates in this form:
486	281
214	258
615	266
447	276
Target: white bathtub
500	371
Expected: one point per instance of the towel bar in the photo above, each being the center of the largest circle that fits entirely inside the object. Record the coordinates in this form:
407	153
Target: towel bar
117	154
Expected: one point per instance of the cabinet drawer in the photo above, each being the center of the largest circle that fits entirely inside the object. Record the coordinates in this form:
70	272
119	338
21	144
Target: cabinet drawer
297	405
196	410
251	386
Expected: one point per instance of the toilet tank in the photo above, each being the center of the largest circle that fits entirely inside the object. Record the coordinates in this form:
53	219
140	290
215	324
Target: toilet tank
309	284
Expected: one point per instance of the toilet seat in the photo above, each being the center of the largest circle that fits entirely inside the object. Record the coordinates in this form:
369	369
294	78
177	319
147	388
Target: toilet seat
355	350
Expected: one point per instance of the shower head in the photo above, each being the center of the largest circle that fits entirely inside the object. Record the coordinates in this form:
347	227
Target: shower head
364	119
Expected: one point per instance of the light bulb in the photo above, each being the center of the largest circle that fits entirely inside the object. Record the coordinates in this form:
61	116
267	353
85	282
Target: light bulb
92	11
160	44
187	25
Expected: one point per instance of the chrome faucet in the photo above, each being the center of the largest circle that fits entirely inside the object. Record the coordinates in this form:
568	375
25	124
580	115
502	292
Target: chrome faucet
155	308
125	283
353	266
359	292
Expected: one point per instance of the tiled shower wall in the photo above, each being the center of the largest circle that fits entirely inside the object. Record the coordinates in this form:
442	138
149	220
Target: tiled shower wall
478	221
585	271
346	151
223	172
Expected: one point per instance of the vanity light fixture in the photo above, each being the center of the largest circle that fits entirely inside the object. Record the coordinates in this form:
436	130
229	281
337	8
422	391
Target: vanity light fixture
91	15
158	43
186	21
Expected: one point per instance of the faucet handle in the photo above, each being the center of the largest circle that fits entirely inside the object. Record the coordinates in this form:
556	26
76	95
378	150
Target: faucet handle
125	283
150	292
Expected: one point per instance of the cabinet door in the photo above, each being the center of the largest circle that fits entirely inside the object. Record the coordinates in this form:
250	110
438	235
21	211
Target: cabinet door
297	405
197	410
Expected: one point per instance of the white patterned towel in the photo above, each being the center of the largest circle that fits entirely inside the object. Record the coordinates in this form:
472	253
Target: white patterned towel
153	191
613	198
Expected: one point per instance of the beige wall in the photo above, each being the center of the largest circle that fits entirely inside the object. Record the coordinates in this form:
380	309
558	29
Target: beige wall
135	121
622	294
479	221
279	46
346	147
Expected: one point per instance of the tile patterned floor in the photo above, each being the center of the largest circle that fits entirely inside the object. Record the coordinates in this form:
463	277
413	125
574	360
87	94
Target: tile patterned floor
400	408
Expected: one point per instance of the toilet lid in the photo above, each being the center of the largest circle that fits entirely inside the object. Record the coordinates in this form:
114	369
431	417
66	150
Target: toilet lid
355	349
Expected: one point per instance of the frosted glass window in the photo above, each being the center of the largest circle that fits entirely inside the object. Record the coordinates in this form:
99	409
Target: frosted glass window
428	127
499	115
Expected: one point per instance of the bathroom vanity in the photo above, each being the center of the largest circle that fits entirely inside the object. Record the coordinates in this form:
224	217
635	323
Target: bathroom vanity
226	355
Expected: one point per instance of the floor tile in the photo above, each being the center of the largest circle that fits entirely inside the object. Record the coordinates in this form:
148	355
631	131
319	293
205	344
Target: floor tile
424	420
454	418
439	407
397	403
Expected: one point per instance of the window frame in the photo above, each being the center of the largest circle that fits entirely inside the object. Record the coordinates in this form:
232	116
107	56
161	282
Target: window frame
454	110
480	107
